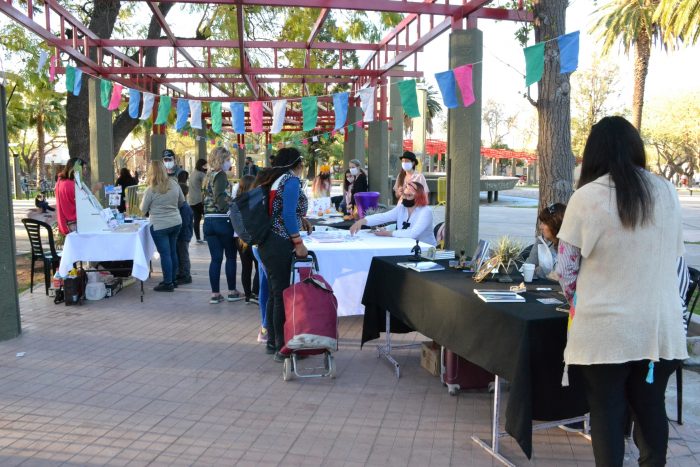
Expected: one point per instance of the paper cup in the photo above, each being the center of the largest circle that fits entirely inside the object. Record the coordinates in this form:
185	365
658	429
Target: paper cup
528	271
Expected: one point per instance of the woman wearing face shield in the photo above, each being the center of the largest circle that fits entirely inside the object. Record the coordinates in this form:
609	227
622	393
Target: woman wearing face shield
413	217
409	174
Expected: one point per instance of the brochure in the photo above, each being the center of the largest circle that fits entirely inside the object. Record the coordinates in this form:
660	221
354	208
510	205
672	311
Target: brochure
422	266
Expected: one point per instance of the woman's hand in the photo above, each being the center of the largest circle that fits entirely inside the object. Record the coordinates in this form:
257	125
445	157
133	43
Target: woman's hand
300	250
306	225
357	226
383	233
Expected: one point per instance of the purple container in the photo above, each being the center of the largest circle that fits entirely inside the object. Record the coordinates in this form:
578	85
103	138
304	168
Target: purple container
366	201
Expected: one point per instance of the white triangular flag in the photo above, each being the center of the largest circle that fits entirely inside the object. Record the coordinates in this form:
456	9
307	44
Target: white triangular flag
367	103
42	61
196	114
314	139
279	110
148	100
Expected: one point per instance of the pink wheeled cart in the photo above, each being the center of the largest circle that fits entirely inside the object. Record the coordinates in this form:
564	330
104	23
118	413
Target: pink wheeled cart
311	320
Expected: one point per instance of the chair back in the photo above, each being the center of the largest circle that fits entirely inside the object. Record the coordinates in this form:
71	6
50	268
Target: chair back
34	228
693	283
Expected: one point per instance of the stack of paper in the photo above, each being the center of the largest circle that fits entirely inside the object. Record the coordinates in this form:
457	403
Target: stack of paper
422	266
499	296
444	254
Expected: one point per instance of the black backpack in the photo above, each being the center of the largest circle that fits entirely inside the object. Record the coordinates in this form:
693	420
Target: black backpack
250	216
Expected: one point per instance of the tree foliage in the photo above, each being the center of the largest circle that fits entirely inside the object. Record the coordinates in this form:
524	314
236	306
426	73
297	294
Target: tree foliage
498	122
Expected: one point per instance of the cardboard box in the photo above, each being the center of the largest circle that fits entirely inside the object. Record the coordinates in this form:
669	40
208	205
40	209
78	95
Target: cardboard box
430	357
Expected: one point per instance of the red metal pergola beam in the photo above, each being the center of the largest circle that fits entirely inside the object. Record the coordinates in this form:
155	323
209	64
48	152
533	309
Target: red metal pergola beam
249	44
216	71
389	6
322	80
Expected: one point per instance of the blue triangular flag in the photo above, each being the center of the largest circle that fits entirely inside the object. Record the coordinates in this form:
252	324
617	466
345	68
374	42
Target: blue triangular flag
183	112
340	106
238	117
568	52
447	84
134	100
78	81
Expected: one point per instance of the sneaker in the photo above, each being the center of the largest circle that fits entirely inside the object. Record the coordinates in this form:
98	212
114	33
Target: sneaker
279	357
174	284
576	427
184	280
216	299
201	242
262	335
234	297
270	349
162	287
254	300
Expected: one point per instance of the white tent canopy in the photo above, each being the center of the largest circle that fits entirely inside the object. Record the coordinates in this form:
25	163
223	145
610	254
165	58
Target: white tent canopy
57	156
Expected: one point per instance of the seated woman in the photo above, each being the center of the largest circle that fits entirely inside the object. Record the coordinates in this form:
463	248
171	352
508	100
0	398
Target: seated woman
41	203
413	217
321	187
544	252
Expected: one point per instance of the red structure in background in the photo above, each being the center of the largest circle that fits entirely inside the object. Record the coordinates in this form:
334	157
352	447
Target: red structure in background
436	146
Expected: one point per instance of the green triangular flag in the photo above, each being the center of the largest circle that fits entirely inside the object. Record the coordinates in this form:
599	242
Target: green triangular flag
351	128
534	63
409	98
309	108
105	92
215	108
163	110
70	79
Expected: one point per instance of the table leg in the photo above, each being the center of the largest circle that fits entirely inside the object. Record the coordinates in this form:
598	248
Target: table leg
384	350
489	196
495	196
141	291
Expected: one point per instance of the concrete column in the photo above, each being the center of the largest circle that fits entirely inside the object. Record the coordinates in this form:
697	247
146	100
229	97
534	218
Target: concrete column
396	114
159	142
101	146
354	147
10	325
463	148
419	133
240	160
378	149
201	150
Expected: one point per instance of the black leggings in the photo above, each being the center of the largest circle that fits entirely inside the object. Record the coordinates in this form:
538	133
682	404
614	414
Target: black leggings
276	255
197	214
247	262
613	389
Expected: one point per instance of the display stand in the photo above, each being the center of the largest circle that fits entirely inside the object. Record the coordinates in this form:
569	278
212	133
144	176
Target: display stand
88	210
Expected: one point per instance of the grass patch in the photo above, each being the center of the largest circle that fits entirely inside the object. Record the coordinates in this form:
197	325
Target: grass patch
24	265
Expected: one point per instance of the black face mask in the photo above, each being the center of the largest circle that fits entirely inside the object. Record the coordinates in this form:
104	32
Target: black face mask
409	203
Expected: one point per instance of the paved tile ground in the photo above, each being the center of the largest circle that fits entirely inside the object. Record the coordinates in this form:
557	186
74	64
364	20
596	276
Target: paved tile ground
176	381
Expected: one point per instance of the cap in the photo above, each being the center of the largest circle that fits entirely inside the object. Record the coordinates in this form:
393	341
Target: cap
410	156
168	153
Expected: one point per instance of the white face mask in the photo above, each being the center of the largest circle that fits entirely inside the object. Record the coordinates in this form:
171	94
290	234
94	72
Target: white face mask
407	166
354	170
169	165
226	166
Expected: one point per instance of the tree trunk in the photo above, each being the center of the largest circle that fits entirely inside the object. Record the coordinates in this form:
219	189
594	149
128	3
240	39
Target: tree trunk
556	160
40	145
642	53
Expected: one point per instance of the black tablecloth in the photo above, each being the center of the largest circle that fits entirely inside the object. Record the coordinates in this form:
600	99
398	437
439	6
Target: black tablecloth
522	342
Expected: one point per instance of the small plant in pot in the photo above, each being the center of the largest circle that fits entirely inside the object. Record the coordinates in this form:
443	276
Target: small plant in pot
508	251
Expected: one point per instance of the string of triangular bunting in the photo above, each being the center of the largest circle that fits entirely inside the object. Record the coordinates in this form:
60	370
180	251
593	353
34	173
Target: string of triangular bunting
191	110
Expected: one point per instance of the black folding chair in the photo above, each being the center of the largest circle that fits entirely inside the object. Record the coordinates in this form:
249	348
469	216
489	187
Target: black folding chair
691	299
49	257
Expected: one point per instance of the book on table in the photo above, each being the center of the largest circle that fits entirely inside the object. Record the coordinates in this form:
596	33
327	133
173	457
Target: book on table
499	296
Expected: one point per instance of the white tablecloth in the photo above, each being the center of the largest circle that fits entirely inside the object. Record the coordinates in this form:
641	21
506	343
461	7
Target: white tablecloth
345	265
110	246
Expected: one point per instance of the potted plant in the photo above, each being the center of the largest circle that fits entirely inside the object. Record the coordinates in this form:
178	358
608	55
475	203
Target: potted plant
508	251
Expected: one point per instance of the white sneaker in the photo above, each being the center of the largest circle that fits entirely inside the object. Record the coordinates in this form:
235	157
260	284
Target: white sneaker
262	336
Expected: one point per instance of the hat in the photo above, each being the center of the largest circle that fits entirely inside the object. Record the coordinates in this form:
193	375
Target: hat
410	156
168	153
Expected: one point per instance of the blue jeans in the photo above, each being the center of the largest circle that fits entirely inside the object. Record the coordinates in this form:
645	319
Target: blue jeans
263	290
218	232
166	244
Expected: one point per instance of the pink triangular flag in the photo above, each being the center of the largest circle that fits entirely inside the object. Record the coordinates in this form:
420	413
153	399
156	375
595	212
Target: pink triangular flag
358	124
304	141
256	116
116	97
463	75
52	68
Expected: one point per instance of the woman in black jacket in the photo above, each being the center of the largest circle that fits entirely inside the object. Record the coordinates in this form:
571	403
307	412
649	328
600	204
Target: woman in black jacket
359	184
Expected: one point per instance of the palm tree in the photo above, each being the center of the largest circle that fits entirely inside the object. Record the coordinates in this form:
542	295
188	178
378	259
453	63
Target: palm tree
682	20
632	23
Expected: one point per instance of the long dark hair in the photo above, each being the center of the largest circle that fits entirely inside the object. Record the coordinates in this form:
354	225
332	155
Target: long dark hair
286	159
69	170
199	165
245	184
346	184
614	147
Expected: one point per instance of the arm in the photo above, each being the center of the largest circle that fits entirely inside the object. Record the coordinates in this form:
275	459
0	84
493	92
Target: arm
290	197
146	201
422	221
568	266
180	196
375	219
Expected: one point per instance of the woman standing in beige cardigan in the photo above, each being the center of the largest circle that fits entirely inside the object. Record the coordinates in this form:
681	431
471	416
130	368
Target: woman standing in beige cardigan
618	250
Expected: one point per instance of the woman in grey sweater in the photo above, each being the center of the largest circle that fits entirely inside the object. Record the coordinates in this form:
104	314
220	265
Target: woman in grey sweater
161	202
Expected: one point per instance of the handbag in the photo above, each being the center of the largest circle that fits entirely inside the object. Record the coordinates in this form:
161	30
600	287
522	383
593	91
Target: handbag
544	257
